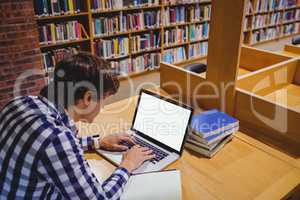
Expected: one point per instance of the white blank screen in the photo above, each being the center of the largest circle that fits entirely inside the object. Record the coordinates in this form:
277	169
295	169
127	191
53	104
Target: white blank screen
161	120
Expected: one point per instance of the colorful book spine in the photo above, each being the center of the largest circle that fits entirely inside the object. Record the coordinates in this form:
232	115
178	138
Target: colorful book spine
146	61
249	7
182	1
198	49
57	7
51	58
175	36
145	42
275	18
199	12
265	34
99	5
113	48
122	67
174	15
60	32
260	21
107	25
174	55
289	29
289	15
198	31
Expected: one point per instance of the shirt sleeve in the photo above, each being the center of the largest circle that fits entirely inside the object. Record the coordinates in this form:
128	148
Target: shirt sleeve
63	165
86	143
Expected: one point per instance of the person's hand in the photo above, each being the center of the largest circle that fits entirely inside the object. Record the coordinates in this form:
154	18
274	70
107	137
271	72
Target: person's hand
113	142
134	157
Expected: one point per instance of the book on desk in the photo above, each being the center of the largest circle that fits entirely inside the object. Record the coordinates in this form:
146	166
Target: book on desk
211	130
160	185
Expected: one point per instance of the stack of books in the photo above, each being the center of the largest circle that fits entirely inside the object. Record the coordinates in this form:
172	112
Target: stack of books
211	130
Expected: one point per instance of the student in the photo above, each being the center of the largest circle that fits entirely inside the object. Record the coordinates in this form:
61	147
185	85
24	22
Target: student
41	156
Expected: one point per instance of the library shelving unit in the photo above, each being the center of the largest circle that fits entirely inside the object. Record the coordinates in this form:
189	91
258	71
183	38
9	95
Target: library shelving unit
270	20
178	38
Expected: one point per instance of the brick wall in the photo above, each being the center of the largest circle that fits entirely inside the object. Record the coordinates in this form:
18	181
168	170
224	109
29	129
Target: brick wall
19	49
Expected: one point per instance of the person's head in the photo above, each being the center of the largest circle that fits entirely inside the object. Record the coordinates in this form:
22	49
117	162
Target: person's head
80	84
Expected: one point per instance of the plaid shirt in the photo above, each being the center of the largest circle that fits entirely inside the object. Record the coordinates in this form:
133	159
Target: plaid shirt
41	157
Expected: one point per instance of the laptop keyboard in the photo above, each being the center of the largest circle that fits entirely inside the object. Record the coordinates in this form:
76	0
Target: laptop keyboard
159	154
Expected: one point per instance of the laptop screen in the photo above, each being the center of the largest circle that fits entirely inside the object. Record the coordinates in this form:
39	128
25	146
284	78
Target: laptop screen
161	120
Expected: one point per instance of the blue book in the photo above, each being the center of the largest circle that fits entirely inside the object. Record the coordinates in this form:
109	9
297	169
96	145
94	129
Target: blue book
211	140
212	122
97	27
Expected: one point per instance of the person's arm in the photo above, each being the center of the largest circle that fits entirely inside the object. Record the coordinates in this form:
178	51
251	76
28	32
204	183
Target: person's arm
62	163
88	142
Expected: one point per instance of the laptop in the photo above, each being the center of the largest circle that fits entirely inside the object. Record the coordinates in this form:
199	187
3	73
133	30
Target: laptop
160	124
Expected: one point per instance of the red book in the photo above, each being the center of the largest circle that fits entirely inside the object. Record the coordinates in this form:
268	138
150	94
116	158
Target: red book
151	39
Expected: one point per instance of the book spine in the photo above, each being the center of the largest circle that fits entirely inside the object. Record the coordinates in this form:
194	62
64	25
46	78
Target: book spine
198	49
114	48
52	57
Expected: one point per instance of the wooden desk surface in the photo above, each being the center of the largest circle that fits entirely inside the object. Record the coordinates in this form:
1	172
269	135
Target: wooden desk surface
244	169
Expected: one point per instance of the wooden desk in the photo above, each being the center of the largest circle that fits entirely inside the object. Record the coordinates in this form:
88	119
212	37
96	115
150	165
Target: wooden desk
291	50
243	169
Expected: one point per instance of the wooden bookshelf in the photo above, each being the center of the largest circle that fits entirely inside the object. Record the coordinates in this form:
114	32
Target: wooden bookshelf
249	30
87	15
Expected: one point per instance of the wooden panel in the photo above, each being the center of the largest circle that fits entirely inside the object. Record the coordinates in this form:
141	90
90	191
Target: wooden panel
254	59
297	75
288	96
225	38
184	85
274	121
269	79
292	49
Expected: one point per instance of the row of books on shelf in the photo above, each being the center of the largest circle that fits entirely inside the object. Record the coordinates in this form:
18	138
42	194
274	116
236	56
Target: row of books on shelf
210	131
125	22
99	5
60	32
198	13
174	15
114	48
198	49
179	14
57	7
274	33
143	20
145	41
172	2
136	64
174	55
268	5
51	58
175	36
198	31
119	46
260	21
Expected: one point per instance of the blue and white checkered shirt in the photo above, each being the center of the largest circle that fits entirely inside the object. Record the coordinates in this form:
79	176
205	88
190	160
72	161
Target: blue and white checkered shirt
41	157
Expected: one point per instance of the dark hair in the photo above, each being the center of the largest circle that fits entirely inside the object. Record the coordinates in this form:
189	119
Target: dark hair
77	74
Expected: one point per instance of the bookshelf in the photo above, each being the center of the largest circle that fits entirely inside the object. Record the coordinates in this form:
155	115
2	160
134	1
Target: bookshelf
152	31
270	20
